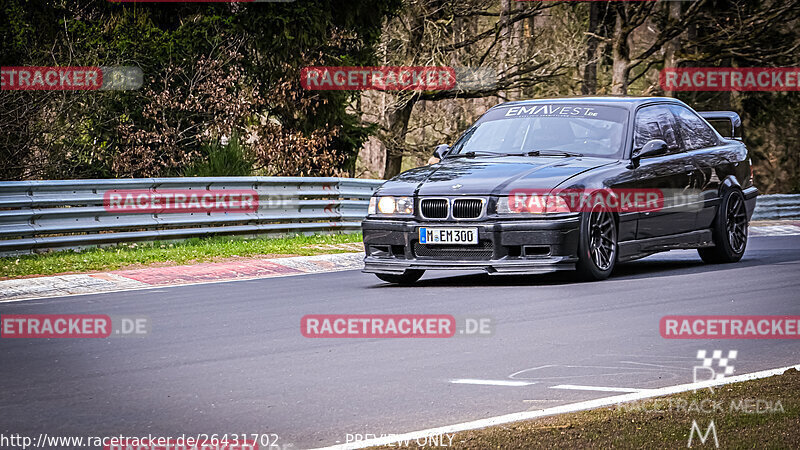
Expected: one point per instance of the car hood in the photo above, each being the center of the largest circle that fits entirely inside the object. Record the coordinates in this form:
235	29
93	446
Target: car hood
489	176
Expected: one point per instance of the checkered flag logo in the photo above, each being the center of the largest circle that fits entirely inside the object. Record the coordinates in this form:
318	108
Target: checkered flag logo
723	367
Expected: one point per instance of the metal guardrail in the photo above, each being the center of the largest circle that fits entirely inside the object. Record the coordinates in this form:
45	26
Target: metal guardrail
71	213
777	206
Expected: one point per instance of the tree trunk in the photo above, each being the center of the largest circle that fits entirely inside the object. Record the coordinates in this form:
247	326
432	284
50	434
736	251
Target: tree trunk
506	36
620	52
394	162
589	86
671	48
397	121
395	141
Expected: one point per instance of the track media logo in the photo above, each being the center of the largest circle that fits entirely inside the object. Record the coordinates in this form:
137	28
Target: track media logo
711	430
716	365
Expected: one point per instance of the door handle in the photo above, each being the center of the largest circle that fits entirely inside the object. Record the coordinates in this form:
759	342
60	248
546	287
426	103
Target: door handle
688	167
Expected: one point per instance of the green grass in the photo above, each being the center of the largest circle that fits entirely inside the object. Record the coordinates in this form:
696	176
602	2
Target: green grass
183	252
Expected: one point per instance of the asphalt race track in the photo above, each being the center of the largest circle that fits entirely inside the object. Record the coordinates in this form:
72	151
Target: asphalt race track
230	358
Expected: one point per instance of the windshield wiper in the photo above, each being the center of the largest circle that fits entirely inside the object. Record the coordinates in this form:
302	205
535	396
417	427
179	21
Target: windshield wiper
474	154
552	153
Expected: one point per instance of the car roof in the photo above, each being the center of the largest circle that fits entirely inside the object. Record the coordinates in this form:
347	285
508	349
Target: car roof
624	102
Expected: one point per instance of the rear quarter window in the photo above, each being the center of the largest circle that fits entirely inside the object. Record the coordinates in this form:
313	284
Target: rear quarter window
694	131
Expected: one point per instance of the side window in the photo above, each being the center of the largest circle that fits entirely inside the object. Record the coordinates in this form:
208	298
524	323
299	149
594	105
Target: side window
695	133
655	122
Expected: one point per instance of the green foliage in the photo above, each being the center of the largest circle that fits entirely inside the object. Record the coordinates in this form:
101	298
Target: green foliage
183	252
78	134
220	160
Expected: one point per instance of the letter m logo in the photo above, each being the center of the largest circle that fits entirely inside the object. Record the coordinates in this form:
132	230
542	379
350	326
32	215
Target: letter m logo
703	437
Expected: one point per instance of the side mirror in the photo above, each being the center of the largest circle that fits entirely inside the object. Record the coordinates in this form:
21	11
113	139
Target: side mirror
441	151
652	148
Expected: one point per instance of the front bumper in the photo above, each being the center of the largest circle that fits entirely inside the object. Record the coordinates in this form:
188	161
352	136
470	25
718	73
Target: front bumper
750	195
505	246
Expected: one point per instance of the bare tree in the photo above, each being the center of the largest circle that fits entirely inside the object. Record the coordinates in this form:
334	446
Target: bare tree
432	32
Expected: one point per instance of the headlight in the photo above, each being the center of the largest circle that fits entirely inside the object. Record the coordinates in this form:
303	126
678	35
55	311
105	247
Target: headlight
531	203
387	205
390	205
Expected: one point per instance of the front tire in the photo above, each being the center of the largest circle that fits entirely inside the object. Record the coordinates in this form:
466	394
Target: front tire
729	230
408	277
597	245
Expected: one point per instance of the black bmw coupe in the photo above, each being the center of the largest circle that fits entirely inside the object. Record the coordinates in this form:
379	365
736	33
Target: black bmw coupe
574	183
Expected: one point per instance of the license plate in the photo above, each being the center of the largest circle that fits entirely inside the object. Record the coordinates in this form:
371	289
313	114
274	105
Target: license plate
463	236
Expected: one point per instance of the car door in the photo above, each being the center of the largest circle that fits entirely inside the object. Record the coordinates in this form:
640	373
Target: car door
712	156
671	173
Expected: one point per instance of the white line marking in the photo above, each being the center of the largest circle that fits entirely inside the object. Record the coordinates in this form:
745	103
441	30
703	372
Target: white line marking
625	371
576	387
532	368
652	365
492	382
573	407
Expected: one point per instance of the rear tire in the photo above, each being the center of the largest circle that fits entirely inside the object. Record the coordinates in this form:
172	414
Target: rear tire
597	245
729	230
408	277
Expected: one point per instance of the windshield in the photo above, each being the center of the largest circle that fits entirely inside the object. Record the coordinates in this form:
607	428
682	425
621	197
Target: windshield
556	129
